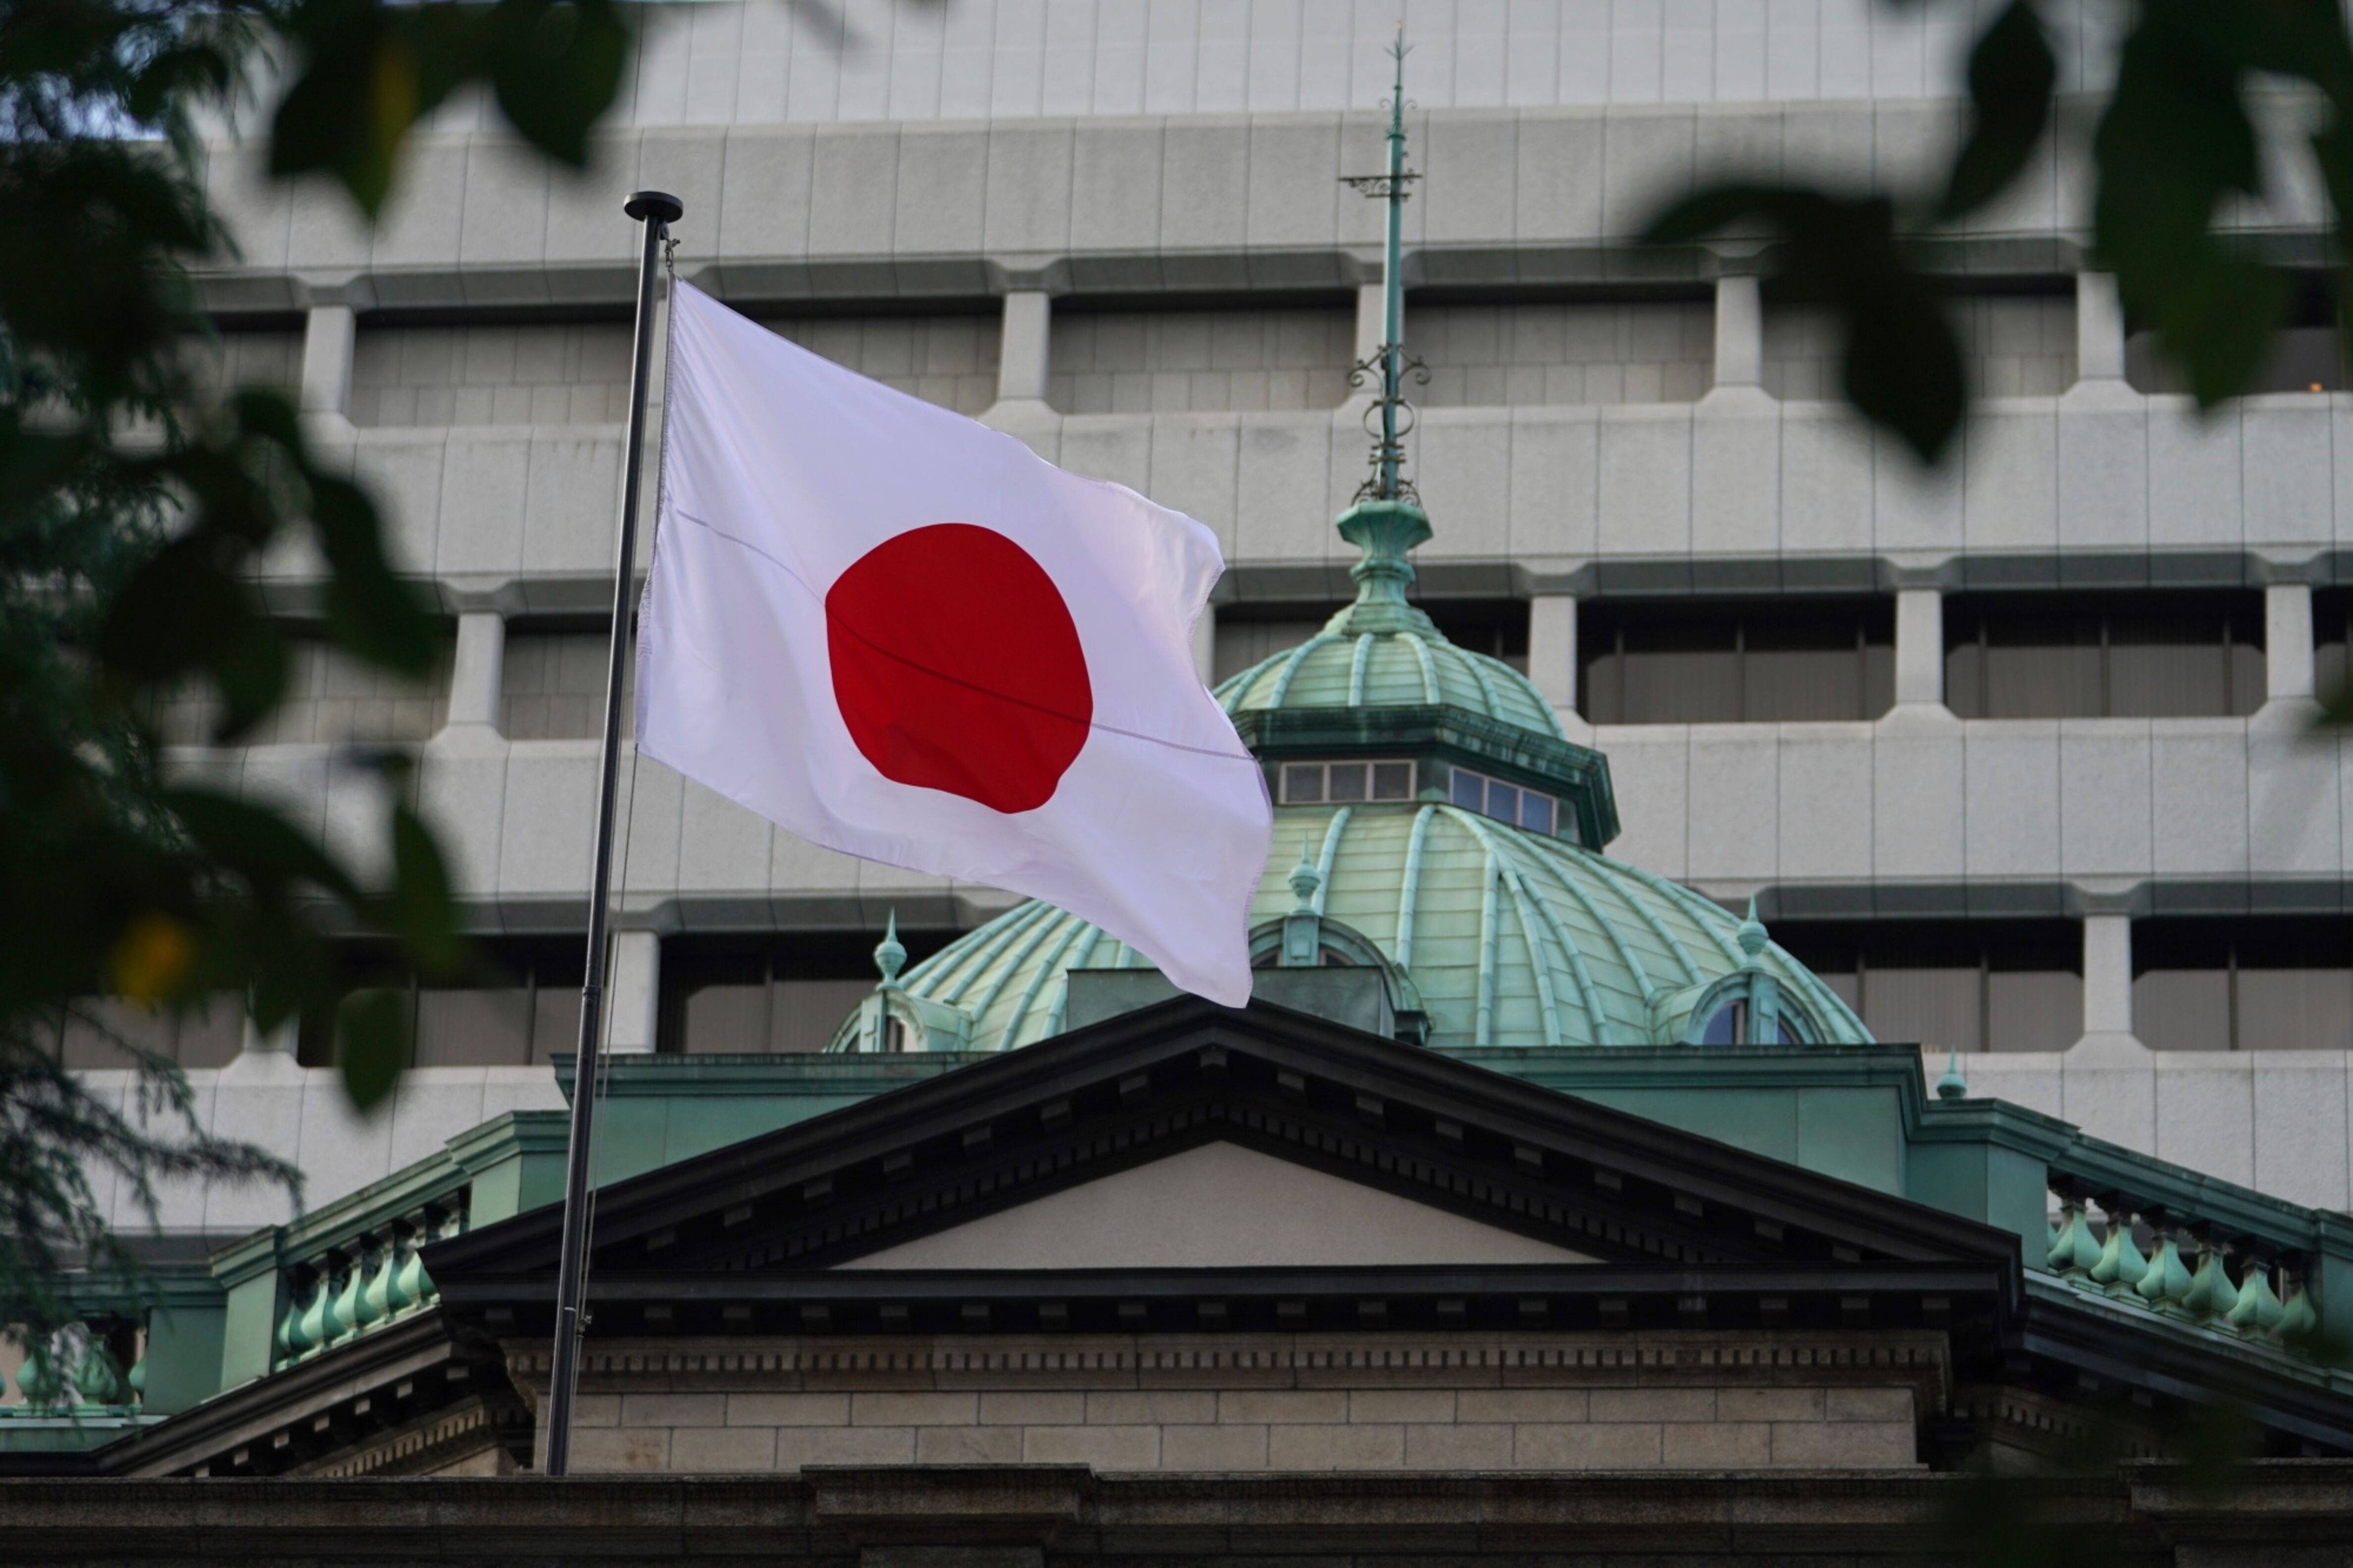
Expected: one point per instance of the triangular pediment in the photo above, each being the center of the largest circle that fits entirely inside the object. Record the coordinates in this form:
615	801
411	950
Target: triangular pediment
1216	1206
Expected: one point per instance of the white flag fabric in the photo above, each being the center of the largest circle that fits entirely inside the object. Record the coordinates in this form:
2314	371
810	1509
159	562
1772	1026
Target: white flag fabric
902	634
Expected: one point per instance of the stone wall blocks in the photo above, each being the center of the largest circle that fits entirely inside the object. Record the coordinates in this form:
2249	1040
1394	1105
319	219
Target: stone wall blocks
1204	182
799	1446
1473	163
1652	1404
1314	1448
942	190
1029	1409
1615	1445
674	1410
1028	188
696	1450
2290	486
1115	187
1521	1405
1426	1405
1105	1448
764	195
1856	1444
1153	1406
1867	1404
485	482
1273	1406
788	1409
1214	1448
1556	183
606	1451
853	190
506	197
1647	162
689	162
968	1445
1737	1405
1728	1445
420	226
1457	1448
1295	188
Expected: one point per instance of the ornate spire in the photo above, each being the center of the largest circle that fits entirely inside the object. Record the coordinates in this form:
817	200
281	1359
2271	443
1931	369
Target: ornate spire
1388	364
1386	521
1305	878
889	957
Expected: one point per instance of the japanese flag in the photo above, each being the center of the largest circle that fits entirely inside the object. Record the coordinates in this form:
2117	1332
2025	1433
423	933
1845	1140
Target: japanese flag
904	636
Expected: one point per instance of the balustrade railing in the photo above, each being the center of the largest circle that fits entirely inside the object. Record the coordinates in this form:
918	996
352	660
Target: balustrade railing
2137	1253
364	1281
78	1371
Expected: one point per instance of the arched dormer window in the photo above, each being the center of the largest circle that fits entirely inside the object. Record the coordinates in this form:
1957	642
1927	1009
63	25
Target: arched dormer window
1749	1007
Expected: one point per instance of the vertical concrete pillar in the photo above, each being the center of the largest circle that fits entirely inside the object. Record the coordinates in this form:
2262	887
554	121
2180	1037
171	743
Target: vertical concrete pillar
2107	974
1552	649
1205	644
1026	349
2287	642
476	669
633	993
1739	332
2099	328
1919	645
329	332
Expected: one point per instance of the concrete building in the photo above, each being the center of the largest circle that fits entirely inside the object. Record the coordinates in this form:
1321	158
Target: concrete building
2012	755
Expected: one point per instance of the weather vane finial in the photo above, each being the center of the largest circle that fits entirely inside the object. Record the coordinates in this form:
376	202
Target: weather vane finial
1388	364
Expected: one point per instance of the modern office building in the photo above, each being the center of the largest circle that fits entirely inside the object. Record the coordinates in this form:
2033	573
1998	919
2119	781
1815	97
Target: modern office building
2014	755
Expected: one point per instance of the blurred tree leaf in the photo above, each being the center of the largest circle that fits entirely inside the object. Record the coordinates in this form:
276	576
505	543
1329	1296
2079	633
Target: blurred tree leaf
1901	366
136	503
2011	74
2176	146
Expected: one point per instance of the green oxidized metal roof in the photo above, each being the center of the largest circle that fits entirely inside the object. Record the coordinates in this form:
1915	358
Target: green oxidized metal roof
1512	938
1381	652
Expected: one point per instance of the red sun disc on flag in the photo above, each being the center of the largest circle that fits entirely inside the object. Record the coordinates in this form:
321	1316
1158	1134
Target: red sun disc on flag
957	667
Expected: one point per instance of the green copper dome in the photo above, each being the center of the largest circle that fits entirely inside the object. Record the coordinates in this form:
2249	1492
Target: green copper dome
1381	652
1503	937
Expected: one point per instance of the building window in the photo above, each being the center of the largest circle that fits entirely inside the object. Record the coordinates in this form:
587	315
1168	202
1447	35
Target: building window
2304	355
2104	656
522	1011
2332	633
1521	808
1582	352
1786	662
2259	984
1249	631
771	994
1166	361
1343	784
552	683
1971	985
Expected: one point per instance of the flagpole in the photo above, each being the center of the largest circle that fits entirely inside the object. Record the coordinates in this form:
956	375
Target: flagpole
657	211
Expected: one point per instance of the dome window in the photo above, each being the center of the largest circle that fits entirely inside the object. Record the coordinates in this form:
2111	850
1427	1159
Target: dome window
1532	809
1345	784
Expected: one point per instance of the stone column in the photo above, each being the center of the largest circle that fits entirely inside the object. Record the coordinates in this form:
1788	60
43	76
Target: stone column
2107	973
1552	649
329	332
1919	645
633	993
2099	328
1025	350
2287	642
475	672
1739	332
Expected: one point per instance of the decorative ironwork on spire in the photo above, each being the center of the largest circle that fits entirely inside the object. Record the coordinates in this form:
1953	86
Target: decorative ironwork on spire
1390	418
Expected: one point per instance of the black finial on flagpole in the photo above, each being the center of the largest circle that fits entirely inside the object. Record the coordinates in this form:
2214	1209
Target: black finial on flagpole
657	210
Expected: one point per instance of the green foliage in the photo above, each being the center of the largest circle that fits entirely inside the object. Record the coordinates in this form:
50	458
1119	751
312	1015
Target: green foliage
134	506
2176	145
